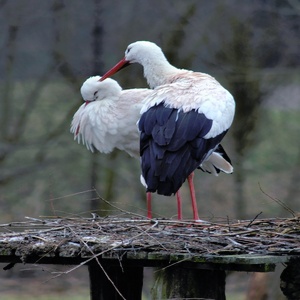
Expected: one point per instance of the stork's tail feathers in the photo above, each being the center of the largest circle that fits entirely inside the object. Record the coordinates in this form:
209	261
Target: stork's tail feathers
143	182
217	161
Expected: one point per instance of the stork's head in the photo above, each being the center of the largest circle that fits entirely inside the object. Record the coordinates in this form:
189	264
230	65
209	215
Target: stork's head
142	52
93	89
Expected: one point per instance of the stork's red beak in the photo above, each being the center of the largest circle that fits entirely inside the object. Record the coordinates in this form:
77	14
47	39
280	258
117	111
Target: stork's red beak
119	66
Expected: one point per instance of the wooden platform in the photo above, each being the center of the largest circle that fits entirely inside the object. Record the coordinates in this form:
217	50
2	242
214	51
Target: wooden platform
116	249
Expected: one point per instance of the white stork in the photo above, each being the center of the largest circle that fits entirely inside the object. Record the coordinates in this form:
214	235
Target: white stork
183	121
108	118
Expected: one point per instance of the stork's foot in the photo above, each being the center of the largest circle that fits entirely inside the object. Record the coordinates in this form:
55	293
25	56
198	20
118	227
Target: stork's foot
201	221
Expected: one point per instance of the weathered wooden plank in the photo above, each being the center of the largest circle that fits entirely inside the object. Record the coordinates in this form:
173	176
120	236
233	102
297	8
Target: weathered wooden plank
249	263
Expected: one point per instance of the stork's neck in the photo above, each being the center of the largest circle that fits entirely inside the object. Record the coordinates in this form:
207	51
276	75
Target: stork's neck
159	72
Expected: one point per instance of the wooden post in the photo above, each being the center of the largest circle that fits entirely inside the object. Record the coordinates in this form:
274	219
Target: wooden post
128	281
290	280
180	283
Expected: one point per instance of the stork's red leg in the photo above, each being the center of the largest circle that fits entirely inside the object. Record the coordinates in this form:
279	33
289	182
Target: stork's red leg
179	206
149	209
193	196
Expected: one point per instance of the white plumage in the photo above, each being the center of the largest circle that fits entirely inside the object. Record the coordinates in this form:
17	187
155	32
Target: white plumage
196	91
182	122
108	118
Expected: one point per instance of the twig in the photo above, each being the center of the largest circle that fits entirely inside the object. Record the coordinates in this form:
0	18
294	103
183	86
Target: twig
71	195
228	223
174	264
116	207
281	203
254	219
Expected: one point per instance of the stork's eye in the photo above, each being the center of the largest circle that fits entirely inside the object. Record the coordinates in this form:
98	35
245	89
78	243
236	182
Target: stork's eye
128	50
95	93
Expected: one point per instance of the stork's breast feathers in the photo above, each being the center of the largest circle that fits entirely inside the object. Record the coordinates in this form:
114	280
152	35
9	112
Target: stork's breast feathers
105	125
94	125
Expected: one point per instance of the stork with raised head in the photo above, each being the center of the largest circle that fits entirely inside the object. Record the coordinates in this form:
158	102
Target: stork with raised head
182	123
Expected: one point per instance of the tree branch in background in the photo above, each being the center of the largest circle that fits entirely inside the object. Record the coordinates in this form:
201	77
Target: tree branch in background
176	40
292	197
22	171
66	72
109	173
237	53
30	101
58	55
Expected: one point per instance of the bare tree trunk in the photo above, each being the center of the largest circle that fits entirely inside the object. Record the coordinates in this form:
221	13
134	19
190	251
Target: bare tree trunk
94	202
6	98
96	63
109	173
240	199
110	176
246	89
294	187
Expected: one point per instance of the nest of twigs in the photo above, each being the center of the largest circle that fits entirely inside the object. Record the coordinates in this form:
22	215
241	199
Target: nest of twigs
85	237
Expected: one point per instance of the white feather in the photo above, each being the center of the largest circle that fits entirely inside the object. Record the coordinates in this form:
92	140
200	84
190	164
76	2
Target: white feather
109	120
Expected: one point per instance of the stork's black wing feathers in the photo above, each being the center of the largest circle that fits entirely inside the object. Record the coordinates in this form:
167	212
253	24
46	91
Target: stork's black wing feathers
222	152
172	146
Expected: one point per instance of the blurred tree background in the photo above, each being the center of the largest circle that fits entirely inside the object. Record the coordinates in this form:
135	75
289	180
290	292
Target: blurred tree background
47	50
